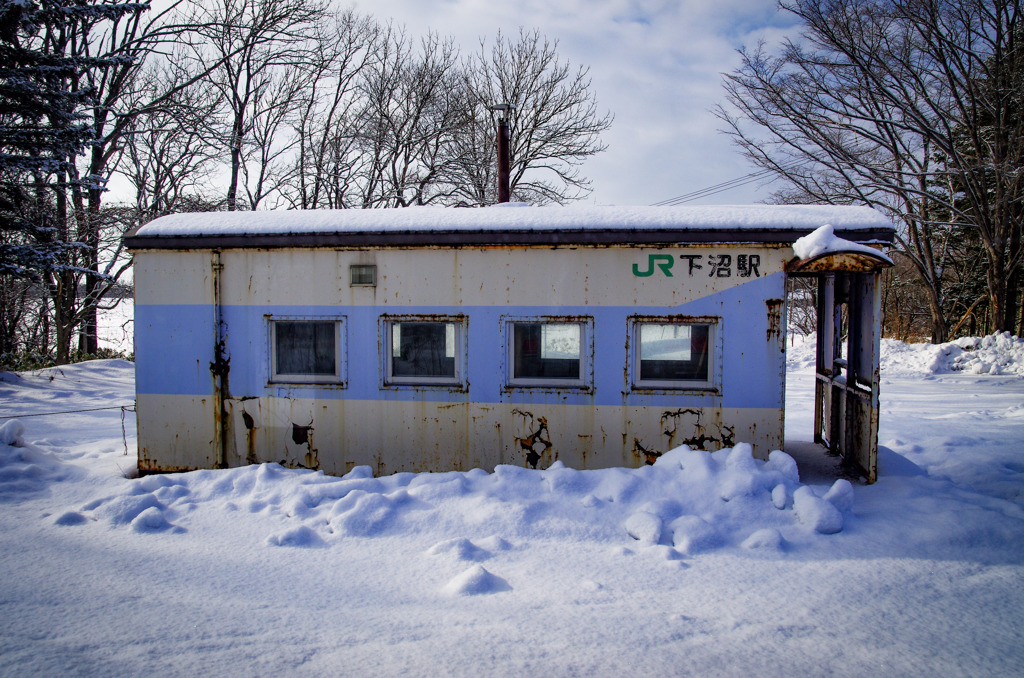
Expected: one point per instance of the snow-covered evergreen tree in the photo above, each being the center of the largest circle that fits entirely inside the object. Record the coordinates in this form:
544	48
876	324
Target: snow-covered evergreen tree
44	95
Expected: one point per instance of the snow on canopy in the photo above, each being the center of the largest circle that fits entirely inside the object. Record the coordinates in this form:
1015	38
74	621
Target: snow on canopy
825	241
520	217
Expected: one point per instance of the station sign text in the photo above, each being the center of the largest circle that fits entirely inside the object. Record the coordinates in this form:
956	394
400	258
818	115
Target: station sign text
708	265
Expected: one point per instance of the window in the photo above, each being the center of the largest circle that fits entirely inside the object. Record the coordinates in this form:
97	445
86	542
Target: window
307	350
549	352
362	275
671	353
424	350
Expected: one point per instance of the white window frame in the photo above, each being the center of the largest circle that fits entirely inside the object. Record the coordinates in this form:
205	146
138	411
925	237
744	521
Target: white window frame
586	379
340	375
390	380
714	325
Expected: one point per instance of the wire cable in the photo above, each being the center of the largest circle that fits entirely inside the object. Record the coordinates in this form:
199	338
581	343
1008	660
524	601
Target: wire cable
725	185
129	406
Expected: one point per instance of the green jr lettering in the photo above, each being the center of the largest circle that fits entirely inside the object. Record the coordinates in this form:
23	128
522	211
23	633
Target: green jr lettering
662	261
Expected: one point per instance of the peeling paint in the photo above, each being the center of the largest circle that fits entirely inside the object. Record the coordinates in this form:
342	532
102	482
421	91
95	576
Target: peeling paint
670	424
303	435
649	456
528	443
670	428
250	438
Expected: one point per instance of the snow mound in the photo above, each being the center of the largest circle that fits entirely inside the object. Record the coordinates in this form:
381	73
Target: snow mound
1000	353
11	432
460	548
644	527
476	581
766	539
26	470
817	513
995	354
70	518
692	534
691	501
153	520
840	495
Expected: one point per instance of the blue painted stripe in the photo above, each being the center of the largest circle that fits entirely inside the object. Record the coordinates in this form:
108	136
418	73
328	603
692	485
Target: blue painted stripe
175	347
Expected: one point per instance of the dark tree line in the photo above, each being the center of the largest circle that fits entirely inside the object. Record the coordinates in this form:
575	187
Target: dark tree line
242	105
912	107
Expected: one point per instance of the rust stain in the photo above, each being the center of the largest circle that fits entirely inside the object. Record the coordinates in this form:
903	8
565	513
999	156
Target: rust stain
832	262
774	318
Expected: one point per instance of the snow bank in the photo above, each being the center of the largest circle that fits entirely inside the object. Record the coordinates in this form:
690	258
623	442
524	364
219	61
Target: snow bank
689	502
996	354
1000	353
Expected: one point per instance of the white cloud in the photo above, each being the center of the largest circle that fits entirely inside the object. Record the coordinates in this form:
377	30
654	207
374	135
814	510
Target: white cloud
655	64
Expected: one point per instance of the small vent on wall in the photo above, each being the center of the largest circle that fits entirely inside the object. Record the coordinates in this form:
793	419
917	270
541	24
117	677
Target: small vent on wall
362	275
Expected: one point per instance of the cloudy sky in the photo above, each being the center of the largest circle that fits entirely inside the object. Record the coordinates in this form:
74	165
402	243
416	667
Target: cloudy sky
656	65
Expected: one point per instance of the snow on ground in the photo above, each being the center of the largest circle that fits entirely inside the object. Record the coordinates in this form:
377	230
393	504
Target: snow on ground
703	564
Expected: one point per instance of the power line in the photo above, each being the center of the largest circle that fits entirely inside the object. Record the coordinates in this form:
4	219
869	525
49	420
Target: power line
725	186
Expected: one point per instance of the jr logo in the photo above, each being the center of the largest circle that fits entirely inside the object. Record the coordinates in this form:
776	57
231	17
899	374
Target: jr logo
662	261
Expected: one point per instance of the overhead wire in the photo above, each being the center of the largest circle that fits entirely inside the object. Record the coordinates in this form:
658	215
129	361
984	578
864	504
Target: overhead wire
725	186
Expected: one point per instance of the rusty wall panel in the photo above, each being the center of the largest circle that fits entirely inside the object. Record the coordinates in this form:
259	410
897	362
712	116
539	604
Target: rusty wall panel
175	433
391	437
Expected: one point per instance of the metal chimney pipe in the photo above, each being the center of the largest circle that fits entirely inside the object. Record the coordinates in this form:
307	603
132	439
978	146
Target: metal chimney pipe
503	161
504	156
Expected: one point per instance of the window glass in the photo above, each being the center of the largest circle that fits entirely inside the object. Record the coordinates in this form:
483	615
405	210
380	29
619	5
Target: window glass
306	350
362	275
547	350
423	349
674	351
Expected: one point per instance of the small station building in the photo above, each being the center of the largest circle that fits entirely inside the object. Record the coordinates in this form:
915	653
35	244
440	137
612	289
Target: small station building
436	339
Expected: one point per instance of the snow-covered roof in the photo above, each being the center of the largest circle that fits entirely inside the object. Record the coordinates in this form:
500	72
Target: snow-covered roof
511	223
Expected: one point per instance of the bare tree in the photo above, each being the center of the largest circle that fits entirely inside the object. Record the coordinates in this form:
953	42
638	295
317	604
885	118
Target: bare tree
256	52
907	106
166	156
411	114
554	123
411	125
